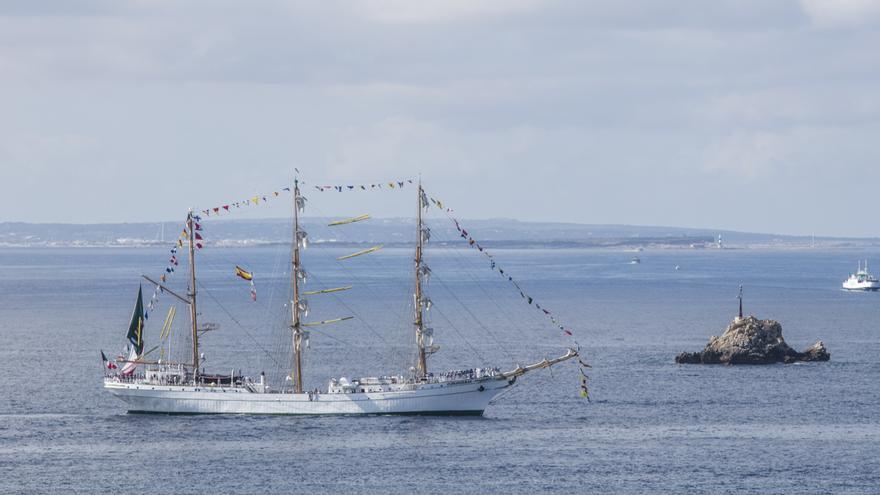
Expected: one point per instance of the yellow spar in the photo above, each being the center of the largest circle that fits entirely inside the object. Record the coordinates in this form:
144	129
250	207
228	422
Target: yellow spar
326	291
166	327
359	253
349	220
324	322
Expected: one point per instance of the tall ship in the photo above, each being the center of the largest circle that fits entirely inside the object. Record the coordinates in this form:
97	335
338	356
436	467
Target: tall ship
150	384
862	280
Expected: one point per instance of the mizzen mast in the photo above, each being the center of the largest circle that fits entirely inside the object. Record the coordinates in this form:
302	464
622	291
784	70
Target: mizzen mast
295	273
418	300
193	314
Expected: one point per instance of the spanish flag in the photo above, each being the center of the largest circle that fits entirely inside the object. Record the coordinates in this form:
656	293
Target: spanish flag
241	272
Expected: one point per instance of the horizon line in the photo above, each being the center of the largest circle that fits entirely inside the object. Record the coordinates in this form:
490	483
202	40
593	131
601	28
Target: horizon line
508	219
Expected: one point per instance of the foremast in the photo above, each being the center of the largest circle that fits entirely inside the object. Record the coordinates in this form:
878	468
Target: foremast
418	299
295	273
193	313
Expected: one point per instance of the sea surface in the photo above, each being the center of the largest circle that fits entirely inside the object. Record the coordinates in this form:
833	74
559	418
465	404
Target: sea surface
651	426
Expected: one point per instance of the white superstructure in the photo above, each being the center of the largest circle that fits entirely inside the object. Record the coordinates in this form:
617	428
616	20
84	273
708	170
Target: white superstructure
862	280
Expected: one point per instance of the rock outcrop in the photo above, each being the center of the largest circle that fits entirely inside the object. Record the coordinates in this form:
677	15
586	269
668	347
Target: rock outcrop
752	341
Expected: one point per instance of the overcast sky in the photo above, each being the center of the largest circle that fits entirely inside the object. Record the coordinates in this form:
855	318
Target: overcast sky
751	115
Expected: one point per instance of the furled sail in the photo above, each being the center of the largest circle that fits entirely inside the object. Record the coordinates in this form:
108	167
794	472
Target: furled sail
349	220
326	291
359	253
324	322
303	307
169	319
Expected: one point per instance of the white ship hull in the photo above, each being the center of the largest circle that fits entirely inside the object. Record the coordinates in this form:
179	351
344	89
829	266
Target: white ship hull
862	285
862	280
862	288
469	397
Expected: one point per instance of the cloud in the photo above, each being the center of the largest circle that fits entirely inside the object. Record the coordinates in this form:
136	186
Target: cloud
750	155
428	11
842	13
575	105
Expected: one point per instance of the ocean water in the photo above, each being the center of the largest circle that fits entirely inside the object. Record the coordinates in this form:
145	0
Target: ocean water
651	426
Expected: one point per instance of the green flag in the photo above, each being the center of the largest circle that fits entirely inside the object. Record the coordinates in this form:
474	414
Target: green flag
136	327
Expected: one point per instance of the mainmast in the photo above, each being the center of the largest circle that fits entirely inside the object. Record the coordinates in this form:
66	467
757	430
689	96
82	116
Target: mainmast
294	278
422	367
193	314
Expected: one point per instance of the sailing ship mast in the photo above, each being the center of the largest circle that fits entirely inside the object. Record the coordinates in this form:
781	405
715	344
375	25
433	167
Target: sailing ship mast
193	314
458	391
294	308
422	367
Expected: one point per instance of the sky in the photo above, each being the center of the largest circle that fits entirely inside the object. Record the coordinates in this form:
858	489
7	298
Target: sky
754	115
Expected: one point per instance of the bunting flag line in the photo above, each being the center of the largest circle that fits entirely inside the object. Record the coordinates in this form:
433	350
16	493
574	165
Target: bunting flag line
173	262
439	205
493	265
397	184
264	198
360	253
585	389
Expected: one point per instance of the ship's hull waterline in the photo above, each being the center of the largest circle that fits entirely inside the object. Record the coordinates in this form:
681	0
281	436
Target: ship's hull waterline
862	288
441	398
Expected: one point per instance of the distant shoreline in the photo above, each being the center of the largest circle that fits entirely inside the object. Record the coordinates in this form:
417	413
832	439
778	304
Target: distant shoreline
624	247
399	232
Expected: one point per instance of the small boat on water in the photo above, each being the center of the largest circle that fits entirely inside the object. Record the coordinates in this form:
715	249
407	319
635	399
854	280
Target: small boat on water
183	385
862	280
635	260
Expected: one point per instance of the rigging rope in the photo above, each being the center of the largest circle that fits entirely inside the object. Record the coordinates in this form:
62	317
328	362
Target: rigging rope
395	353
472	315
223	308
515	324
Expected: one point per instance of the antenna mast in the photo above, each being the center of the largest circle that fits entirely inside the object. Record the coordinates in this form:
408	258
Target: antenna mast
193	314
422	367
294	277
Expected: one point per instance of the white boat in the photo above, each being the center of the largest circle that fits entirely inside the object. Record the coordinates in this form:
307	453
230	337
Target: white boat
635	260
862	280
164	386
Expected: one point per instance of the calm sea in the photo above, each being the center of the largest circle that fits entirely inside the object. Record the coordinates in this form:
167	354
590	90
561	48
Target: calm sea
652	426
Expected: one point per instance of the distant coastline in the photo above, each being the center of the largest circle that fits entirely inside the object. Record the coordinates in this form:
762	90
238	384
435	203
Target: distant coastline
396	232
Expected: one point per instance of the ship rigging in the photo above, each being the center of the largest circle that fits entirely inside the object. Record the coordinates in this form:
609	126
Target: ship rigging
146	384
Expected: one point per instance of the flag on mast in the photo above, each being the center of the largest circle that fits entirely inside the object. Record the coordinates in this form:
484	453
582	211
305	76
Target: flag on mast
135	334
249	276
241	272
110	365
136	327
